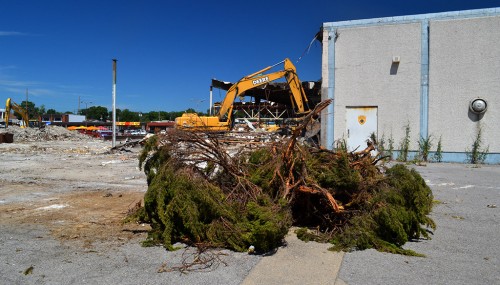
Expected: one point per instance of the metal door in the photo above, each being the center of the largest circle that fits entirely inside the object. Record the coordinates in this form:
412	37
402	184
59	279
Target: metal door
361	123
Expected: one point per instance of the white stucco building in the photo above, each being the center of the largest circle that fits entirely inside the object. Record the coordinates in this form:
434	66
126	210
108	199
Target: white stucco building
419	71
2	114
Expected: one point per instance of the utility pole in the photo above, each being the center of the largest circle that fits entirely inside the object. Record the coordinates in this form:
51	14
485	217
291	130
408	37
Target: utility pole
210	107
114	103
27	111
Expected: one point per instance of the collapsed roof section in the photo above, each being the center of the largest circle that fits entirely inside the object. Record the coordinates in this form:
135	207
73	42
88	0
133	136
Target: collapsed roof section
278	92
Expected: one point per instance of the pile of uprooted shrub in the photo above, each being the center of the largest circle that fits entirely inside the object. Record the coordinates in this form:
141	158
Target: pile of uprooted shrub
203	191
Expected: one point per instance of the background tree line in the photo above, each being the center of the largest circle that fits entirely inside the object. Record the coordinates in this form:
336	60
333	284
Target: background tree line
99	113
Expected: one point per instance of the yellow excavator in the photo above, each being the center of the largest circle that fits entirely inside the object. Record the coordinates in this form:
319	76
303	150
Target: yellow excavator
222	121
18	109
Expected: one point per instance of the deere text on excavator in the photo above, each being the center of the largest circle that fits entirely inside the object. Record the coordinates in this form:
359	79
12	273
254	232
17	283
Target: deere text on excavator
223	120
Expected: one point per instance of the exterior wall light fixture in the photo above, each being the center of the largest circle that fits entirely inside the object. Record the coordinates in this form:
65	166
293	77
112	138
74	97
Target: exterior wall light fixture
478	106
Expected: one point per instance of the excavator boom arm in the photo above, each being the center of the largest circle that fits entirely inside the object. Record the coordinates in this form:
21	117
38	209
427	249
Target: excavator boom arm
257	79
18	109
7	112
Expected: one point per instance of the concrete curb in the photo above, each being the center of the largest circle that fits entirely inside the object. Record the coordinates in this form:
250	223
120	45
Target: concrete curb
298	263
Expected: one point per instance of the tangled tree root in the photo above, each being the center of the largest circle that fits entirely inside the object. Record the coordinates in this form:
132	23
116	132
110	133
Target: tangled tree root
204	192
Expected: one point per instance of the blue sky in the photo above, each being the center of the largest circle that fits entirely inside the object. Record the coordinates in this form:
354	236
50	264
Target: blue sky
167	51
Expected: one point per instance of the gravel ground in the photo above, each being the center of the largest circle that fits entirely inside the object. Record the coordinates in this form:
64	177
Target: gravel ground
61	209
53	262
465	248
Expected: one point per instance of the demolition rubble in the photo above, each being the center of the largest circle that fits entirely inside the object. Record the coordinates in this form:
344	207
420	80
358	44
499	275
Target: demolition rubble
48	133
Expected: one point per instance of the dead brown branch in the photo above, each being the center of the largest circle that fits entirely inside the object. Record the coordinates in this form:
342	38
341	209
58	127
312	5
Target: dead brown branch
288	160
305	122
318	190
202	260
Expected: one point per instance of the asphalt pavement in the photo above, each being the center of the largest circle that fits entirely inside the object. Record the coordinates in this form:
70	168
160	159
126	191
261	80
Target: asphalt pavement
464	249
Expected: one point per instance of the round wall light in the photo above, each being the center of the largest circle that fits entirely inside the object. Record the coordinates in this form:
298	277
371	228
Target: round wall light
478	106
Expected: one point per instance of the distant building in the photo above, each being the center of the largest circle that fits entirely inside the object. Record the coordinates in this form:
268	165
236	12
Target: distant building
62	118
12	119
436	75
158	126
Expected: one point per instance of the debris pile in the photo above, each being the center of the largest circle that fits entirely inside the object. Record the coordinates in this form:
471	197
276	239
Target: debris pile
48	133
204	192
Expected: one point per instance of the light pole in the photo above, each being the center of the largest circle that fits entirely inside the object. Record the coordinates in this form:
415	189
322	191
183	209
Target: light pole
140	120
113	144
84	102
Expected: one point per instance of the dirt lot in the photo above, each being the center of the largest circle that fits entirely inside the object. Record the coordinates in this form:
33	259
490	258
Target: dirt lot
63	198
77	189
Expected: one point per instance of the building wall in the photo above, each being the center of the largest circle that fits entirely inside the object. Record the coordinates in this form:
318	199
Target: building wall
12	119
446	60
464	64
74	118
366	76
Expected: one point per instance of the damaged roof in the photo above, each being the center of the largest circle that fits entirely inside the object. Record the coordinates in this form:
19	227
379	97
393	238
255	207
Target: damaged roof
277	92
